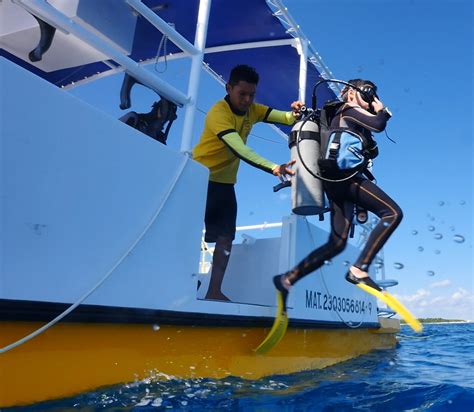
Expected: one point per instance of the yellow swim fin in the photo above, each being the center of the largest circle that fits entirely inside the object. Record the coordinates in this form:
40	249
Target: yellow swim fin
394	304
278	329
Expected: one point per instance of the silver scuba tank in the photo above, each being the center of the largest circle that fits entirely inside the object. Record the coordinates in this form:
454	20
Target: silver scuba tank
307	192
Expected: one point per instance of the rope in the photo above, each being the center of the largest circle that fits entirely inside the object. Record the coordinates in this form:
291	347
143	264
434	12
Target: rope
107	275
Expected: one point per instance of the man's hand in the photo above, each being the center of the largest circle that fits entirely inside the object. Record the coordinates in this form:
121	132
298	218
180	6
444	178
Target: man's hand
296	107
282	170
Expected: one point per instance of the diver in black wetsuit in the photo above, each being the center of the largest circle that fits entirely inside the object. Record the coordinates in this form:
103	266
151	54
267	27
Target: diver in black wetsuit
363	115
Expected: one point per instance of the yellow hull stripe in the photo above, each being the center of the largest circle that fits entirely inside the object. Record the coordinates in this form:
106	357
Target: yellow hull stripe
71	358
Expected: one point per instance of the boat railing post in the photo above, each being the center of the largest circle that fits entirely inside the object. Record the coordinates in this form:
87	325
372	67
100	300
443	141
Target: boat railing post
294	29
302	47
195	74
56	18
163	27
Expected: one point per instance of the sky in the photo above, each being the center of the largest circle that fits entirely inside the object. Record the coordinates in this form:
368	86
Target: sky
419	53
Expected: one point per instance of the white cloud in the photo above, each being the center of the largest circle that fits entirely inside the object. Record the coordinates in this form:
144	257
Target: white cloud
425	303
460	294
415	298
440	284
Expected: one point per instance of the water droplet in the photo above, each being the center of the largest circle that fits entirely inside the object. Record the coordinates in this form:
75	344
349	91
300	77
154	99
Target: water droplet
420	249
438	236
379	265
431	228
437	252
459	238
452	228
441	203
432	218
430	273
462	202
156	327
398	265
375	220
328	262
346	263
414	232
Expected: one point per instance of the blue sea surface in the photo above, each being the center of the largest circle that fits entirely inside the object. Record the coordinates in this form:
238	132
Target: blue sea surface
431	371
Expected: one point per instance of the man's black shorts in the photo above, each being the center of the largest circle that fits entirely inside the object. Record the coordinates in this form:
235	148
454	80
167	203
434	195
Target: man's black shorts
221	211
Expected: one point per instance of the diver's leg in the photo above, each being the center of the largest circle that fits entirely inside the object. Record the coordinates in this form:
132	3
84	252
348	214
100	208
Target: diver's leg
368	195
341	218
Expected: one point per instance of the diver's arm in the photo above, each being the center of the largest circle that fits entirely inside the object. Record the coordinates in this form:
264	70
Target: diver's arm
234	142
375	122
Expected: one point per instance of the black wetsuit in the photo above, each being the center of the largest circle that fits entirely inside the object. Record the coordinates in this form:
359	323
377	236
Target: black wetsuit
356	191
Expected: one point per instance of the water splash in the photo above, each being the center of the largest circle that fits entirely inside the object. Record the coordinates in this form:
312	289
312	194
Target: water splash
459	238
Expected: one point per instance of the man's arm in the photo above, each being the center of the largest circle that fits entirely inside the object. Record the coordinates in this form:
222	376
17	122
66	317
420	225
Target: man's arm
278	116
234	142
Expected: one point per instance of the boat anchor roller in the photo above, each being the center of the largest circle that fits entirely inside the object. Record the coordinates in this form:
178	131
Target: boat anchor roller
307	193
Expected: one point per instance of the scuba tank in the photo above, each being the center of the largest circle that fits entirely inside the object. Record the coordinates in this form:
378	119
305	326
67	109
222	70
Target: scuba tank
307	193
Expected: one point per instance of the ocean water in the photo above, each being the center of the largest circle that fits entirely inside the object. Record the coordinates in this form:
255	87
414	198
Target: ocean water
433	371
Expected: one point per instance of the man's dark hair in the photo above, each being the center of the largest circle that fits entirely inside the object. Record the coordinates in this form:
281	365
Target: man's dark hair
245	73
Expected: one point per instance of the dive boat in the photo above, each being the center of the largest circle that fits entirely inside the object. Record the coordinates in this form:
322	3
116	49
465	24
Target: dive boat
100	264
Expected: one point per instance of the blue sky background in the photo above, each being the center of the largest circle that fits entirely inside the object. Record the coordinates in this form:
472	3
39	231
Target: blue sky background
419	53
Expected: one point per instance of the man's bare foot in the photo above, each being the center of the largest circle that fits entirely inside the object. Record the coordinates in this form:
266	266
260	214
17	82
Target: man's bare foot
216	296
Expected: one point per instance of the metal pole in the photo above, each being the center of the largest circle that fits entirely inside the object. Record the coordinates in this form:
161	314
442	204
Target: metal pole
195	74
296	32
164	27
303	52
51	15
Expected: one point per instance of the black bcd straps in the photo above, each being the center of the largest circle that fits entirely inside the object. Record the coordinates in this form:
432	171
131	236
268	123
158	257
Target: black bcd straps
156	123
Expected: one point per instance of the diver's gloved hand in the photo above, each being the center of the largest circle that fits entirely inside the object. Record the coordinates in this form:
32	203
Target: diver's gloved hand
377	105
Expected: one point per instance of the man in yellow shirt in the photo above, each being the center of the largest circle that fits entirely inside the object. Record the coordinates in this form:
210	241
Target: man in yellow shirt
221	147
